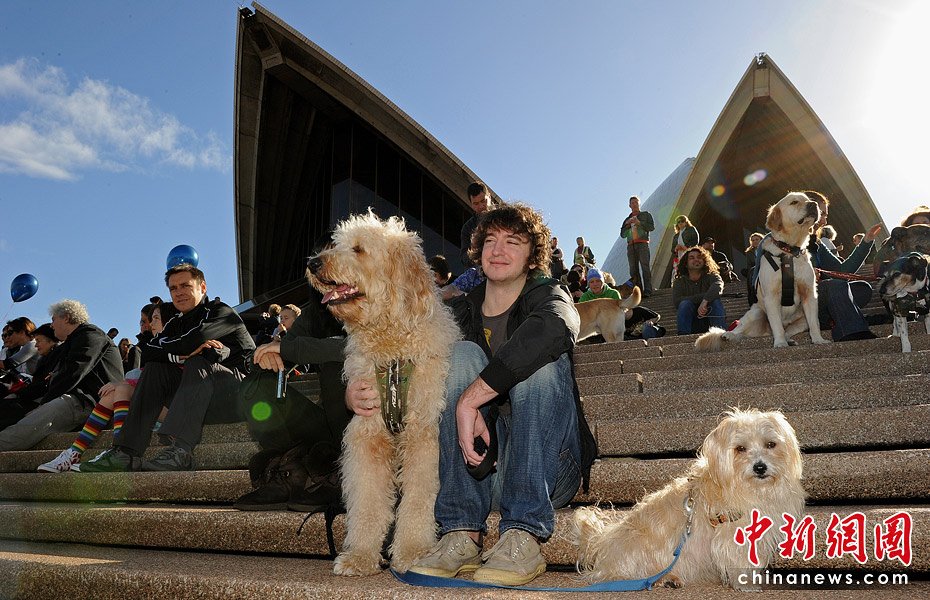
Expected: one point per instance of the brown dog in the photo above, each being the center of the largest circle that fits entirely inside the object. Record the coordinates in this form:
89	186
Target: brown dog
606	316
903	240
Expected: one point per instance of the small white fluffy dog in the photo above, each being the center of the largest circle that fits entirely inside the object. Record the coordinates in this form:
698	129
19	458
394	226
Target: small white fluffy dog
377	282
790	220
750	460
606	316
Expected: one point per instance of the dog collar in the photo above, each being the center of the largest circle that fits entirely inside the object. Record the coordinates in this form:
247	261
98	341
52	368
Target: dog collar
721	518
393	385
794	251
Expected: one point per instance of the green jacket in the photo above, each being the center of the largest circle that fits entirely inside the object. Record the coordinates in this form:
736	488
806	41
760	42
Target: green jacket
607	292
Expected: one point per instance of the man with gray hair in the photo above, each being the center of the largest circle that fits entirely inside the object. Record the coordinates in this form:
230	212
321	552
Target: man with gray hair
88	361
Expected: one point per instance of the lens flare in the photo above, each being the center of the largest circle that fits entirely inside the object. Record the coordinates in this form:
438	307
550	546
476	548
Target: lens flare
718	190
261	411
755	177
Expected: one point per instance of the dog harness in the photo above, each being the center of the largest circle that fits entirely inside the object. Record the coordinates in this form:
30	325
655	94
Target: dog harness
787	256
393	385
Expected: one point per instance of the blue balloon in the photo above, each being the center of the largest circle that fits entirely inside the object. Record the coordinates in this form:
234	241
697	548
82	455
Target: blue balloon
24	287
183	254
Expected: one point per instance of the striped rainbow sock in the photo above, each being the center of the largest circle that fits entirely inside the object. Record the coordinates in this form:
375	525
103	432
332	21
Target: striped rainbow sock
97	420
120	410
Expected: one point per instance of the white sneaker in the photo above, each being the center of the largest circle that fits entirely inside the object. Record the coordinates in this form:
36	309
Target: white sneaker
68	460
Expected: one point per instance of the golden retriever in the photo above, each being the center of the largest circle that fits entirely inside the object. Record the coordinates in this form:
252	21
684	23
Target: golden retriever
751	460
606	316
790	220
375	279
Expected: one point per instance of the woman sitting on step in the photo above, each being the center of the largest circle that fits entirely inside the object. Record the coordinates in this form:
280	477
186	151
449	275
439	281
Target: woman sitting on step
114	397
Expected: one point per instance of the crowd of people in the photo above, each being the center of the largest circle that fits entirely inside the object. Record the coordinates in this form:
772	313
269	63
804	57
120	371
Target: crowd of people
195	363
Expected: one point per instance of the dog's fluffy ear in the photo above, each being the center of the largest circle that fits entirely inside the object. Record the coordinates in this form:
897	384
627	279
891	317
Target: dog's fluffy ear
774	220
717	452
412	291
793	462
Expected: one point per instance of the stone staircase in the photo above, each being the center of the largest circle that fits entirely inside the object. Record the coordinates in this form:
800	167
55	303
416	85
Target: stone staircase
860	410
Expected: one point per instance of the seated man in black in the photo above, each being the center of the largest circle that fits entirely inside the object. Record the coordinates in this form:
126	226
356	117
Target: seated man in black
193	367
300	440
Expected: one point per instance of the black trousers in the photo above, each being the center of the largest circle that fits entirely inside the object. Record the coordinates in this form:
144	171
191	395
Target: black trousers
281	423
200	393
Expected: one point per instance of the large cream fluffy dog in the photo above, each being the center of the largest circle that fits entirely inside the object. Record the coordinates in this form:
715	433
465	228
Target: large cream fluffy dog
606	316
376	280
750	460
790	220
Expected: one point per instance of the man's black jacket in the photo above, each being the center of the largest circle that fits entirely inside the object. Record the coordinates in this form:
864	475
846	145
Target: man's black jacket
209	320
87	360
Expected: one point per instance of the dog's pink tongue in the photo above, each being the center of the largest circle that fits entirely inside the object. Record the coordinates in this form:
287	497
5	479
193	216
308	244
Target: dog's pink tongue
336	293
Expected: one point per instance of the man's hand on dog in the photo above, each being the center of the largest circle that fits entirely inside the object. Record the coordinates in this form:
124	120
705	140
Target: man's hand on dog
268	357
362	397
469	422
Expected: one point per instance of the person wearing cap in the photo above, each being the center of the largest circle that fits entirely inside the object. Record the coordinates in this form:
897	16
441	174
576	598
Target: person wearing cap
597	288
635	230
723	263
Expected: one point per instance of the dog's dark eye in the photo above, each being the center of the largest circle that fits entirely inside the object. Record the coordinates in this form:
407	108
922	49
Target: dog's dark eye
740	449
358	249
770	445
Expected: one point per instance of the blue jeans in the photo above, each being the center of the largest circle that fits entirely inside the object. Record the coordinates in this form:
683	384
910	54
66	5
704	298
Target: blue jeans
539	451
688	321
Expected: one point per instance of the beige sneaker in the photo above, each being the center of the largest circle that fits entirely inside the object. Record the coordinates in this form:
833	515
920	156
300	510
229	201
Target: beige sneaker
514	560
454	553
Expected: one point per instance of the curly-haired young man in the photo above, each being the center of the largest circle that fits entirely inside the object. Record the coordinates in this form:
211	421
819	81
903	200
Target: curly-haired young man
696	292
511	379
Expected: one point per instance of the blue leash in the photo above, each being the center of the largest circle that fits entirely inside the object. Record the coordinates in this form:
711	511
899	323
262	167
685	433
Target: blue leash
624	585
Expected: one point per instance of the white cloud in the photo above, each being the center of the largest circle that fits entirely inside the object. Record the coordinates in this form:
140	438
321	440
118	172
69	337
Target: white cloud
62	130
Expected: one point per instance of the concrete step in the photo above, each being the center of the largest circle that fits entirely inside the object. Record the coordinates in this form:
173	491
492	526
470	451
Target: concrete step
191	487
55	571
684	344
659	347
871	427
207	457
875	476
819	369
858	476
770	356
212	434
789	397
755	351
276	532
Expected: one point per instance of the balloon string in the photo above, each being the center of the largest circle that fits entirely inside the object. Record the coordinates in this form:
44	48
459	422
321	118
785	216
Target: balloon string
3	320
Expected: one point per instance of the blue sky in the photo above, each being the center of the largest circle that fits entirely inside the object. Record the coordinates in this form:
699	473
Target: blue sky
116	118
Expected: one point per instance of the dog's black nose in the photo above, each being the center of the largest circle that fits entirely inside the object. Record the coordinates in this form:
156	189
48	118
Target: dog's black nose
760	468
314	263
